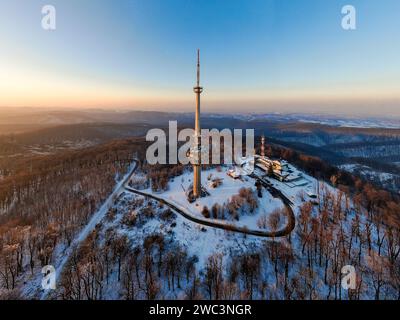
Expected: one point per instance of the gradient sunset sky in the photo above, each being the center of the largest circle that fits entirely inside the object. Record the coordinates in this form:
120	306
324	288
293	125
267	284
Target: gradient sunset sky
257	55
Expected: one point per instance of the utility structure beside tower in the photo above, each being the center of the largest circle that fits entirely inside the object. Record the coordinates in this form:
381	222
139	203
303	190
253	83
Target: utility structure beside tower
262	153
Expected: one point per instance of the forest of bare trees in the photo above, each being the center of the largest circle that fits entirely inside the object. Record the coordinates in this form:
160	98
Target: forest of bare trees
46	200
304	265
245	202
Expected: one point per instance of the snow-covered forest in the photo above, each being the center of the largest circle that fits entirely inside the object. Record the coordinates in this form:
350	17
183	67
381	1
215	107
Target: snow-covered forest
139	248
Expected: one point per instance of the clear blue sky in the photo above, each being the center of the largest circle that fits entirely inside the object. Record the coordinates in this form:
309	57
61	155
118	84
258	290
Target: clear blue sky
257	55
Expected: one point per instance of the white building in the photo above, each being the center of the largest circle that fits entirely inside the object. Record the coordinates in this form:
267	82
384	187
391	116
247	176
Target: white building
280	169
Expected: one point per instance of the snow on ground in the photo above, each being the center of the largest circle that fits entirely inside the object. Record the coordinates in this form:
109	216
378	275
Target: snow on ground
47	149
201	241
222	194
292	190
385	178
63	253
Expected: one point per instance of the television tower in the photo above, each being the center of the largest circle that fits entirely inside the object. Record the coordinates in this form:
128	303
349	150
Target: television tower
197	135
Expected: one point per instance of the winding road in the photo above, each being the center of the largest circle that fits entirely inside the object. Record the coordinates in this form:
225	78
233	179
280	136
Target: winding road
91	225
123	186
291	221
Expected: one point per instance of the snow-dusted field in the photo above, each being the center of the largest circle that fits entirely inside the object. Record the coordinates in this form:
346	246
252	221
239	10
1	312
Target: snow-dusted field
202	241
220	195
385	178
140	218
199	240
63	252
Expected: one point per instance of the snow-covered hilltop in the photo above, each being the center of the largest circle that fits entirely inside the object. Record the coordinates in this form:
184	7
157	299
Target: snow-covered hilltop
158	245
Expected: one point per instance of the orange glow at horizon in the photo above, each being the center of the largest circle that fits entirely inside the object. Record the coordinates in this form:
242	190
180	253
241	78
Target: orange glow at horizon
22	86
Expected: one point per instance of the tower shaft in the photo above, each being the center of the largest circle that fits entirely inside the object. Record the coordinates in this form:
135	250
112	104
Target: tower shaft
197	165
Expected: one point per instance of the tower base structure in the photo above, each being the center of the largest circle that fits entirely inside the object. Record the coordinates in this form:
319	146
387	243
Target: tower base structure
196	181
191	198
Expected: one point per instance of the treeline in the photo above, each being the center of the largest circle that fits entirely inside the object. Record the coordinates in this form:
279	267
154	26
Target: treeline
355	225
159	175
48	199
379	164
244	202
49	139
306	265
137	272
368	194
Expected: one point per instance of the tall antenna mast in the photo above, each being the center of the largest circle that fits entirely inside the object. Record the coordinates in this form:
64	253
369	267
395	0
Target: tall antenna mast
198	67
197	129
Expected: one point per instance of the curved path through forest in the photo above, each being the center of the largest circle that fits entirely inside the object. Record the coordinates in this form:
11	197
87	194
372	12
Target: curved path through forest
91	225
122	185
226	226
